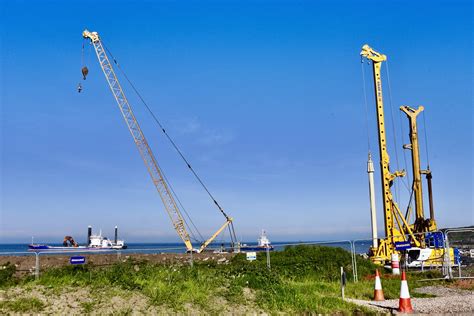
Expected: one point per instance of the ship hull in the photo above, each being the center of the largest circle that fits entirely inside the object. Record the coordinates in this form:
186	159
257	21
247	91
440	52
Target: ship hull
255	248
47	248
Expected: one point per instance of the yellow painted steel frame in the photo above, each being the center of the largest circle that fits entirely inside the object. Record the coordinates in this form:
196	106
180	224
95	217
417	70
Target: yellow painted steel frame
392	213
143	147
437	258
421	224
205	244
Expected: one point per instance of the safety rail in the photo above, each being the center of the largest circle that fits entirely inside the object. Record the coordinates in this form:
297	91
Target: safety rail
178	251
356	247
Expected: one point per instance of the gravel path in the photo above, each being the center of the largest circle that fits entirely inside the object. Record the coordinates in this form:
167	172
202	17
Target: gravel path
448	301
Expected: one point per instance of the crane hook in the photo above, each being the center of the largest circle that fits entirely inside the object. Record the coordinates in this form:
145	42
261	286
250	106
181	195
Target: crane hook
85	71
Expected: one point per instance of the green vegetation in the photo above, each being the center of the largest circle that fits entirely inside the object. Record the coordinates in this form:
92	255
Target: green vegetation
364	289
302	279
7	273
87	307
22	305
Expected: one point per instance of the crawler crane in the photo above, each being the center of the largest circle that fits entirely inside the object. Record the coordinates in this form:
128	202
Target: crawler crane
146	153
426	244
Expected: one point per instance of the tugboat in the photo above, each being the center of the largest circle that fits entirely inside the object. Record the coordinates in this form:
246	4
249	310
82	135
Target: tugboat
94	242
263	244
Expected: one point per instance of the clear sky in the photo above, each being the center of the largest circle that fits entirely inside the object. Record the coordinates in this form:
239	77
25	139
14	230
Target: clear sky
265	98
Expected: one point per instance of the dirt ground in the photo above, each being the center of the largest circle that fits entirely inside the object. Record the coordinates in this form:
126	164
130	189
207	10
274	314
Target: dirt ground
448	300
112	301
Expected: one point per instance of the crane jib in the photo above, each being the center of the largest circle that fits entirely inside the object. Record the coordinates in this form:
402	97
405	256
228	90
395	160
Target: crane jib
145	151
142	144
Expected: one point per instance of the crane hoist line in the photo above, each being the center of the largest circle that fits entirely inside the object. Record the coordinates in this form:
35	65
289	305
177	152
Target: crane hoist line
147	155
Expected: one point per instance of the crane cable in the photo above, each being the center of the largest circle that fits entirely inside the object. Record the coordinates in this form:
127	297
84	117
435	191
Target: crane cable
426	141
183	208
162	171
167	135
405	183
393	127
82	53
164	175
79	85
402	130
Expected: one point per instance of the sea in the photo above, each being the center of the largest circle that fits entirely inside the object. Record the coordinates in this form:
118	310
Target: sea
361	246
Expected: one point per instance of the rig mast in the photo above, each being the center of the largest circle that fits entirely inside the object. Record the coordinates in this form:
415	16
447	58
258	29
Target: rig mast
396	225
421	224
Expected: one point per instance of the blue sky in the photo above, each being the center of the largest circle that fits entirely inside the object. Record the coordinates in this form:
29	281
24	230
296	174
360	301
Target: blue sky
265	98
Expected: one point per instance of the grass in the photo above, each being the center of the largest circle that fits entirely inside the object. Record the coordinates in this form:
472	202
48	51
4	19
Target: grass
364	289
22	305
302	279
7	273
87	307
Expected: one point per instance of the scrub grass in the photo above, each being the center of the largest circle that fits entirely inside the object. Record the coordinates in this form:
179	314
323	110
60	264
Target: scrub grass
23	305
302	279
7	273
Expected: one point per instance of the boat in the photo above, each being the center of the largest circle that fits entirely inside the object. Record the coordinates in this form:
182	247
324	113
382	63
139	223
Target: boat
100	242
48	248
263	244
94	242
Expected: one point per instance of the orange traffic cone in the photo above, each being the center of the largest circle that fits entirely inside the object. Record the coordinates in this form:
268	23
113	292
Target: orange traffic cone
404	305
378	292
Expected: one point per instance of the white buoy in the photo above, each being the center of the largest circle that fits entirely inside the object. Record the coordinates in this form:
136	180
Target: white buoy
373	217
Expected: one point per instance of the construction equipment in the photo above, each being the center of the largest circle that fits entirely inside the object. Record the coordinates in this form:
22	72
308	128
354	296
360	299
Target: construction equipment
146	153
398	230
85	72
421	224
69	242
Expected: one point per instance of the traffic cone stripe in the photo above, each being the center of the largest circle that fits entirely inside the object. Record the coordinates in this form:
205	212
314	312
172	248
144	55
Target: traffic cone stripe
404	293
404	304
378	292
378	284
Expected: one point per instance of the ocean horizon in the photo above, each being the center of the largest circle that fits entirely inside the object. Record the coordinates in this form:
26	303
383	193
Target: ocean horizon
360	246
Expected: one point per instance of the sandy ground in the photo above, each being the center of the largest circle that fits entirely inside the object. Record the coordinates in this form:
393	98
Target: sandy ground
447	301
113	301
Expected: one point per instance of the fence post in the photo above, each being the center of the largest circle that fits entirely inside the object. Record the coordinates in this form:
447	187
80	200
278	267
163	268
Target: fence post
447	257
37	266
191	263
354	262
268	258
119	255
459	267
343	282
